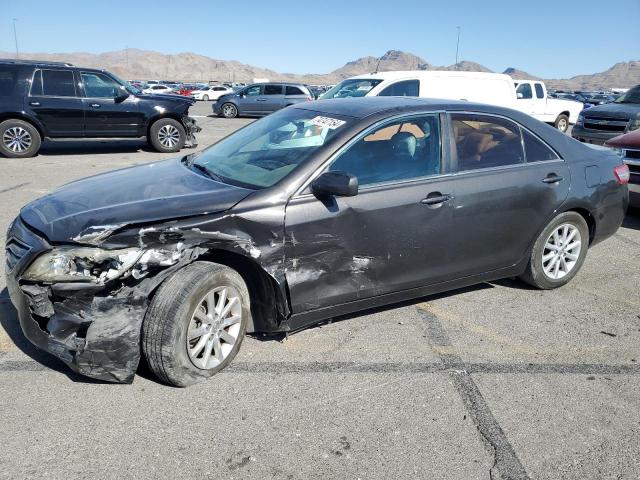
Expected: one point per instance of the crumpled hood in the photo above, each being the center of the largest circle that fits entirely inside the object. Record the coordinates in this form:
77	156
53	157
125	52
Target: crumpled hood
169	97
140	194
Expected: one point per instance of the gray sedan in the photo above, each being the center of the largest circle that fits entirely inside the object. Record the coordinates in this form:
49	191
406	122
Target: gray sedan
261	99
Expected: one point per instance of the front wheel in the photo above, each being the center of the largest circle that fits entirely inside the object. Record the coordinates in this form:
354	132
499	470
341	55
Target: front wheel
229	110
205	98
562	123
167	135
559	252
196	323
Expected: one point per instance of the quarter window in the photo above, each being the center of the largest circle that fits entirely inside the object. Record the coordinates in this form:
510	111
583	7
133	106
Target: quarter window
535	149
8	80
97	85
483	141
407	88
524	89
401	150
539	90
58	83
293	91
273	89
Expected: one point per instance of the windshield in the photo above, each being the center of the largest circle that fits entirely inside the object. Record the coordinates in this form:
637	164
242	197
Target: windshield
352	88
264	152
130	88
632	96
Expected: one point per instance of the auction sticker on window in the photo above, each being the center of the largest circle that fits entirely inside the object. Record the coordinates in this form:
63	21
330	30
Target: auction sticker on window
331	123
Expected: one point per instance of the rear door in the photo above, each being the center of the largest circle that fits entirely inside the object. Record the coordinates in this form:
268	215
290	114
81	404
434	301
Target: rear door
508	184
55	100
272	99
104	116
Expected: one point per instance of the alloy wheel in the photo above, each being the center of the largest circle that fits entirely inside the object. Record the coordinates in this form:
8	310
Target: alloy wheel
229	110
214	327
168	136
16	139
561	251
562	125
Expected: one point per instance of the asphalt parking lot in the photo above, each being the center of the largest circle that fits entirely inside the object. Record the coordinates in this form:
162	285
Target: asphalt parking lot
493	381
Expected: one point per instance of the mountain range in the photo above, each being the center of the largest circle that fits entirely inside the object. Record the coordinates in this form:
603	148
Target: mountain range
143	64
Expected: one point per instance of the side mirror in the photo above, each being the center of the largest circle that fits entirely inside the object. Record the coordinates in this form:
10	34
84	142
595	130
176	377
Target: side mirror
121	95
519	95
339	184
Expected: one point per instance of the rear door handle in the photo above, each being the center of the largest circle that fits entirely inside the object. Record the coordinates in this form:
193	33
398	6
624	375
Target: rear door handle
95	105
552	178
261	100
34	104
436	198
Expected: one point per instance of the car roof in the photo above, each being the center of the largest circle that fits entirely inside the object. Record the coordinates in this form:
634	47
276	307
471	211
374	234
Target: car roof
362	107
401	74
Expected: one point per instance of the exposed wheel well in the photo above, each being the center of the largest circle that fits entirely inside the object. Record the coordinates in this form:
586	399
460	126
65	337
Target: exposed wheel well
563	113
591	222
19	116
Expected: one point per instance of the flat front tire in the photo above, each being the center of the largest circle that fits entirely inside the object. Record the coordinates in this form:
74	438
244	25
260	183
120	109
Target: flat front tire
167	135
196	323
559	252
19	139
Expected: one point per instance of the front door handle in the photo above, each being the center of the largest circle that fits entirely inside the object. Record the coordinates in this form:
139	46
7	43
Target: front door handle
95	105
34	104
436	199
552	178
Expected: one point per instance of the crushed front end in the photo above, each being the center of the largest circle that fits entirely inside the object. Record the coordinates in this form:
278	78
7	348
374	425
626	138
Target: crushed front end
191	127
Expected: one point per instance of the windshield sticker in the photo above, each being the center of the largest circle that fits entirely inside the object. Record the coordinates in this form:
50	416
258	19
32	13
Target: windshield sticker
331	123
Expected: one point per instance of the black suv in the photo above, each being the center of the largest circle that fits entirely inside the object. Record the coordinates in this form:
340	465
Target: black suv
57	100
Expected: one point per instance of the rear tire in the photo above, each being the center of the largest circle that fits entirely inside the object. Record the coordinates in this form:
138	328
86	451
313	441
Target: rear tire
205	98
167	135
562	123
181	309
555	257
229	110
19	139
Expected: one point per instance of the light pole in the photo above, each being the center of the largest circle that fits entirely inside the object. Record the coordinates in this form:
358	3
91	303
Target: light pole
15	37
457	46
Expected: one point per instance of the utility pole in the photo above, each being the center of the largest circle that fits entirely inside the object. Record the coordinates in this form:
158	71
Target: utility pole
457	46
15	37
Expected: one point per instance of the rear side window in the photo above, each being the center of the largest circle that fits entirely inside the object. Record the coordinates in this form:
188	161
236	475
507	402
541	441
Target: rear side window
535	149
483	141
58	83
407	88
273	90
524	91
539	91
8	79
289	90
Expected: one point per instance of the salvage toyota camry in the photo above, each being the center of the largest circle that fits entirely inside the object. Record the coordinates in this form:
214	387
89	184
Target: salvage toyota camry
319	210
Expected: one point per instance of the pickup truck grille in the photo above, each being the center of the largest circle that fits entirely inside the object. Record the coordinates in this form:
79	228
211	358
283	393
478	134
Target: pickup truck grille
606	124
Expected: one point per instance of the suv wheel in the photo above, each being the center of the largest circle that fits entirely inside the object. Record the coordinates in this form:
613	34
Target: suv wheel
19	139
229	110
196	323
559	252
562	123
205	98
167	135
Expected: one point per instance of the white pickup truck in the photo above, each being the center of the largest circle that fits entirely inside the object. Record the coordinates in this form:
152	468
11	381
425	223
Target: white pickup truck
532	98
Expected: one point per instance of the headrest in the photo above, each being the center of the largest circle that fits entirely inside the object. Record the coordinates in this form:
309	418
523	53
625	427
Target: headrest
404	143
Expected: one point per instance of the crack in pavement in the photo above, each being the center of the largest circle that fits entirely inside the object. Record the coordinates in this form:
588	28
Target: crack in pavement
14	187
506	464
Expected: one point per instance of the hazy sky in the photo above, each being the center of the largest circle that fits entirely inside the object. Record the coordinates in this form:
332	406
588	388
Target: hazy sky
545	38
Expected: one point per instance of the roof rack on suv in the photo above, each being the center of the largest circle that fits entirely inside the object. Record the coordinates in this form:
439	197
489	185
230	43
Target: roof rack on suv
35	62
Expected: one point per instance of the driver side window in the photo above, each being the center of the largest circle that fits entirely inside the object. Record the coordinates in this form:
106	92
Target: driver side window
401	150
253	91
97	85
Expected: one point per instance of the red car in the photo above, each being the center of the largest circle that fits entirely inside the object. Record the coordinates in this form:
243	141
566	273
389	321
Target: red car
629	147
186	90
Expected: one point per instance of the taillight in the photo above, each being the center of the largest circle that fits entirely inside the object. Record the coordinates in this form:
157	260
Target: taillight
622	174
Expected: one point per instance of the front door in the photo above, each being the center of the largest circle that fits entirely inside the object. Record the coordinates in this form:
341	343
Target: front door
394	235
248	100
54	98
504	193
104	115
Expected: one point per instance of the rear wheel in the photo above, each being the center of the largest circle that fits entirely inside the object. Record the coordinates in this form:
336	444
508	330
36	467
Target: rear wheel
205	98
562	123
19	139
196	323
167	135
229	110
559	252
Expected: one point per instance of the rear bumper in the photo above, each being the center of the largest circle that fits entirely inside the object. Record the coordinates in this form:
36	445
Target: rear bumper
592	136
